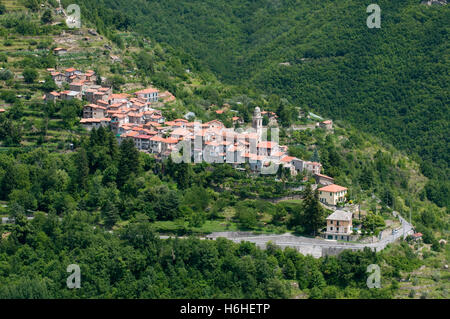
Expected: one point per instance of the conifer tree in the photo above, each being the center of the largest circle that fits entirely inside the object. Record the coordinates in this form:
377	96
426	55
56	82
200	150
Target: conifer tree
128	161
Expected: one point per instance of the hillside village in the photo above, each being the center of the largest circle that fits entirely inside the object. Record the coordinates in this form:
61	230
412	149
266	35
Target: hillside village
59	168
138	117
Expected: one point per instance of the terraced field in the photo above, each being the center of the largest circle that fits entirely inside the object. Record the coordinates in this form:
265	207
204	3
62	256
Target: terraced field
13	5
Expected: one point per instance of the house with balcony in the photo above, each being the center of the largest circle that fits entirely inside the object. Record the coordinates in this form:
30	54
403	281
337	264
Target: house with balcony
58	77
312	167
339	226
94	111
149	94
332	194
142	141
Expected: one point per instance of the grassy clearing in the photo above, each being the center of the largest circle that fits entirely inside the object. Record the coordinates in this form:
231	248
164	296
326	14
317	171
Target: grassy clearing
208	227
292	201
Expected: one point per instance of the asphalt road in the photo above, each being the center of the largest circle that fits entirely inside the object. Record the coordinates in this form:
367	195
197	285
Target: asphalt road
313	246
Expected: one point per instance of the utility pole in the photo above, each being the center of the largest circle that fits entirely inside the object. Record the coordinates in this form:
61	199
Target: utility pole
404	231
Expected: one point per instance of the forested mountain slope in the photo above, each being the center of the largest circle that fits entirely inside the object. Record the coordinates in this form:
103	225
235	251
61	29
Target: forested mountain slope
391	81
103	205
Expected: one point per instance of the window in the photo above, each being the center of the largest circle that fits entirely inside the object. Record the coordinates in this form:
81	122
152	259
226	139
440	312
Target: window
337	223
331	228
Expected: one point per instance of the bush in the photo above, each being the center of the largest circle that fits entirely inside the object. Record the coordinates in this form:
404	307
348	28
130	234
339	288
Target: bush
6	74
30	75
47	17
8	96
44	44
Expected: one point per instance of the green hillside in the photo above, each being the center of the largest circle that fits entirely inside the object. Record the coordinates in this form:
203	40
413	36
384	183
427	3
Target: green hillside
392	81
104	206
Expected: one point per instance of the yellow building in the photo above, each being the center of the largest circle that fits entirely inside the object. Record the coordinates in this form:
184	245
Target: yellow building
332	194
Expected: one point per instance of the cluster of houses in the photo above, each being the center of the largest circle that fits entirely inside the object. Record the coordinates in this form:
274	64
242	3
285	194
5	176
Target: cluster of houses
210	141
79	82
137	117
103	103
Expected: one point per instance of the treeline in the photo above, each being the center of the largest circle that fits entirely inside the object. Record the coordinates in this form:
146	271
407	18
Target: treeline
134	263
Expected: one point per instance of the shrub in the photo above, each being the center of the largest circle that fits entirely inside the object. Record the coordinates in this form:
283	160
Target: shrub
6	75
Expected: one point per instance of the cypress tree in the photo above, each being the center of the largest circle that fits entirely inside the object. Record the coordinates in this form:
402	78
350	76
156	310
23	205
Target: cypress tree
312	211
128	161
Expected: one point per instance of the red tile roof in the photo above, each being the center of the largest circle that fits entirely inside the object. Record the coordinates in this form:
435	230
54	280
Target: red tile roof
287	159
147	91
267	144
119	96
157	139
324	176
143	137
102	102
333	188
170	140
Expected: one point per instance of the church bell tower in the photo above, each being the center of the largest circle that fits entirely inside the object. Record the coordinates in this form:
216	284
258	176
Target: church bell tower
257	122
